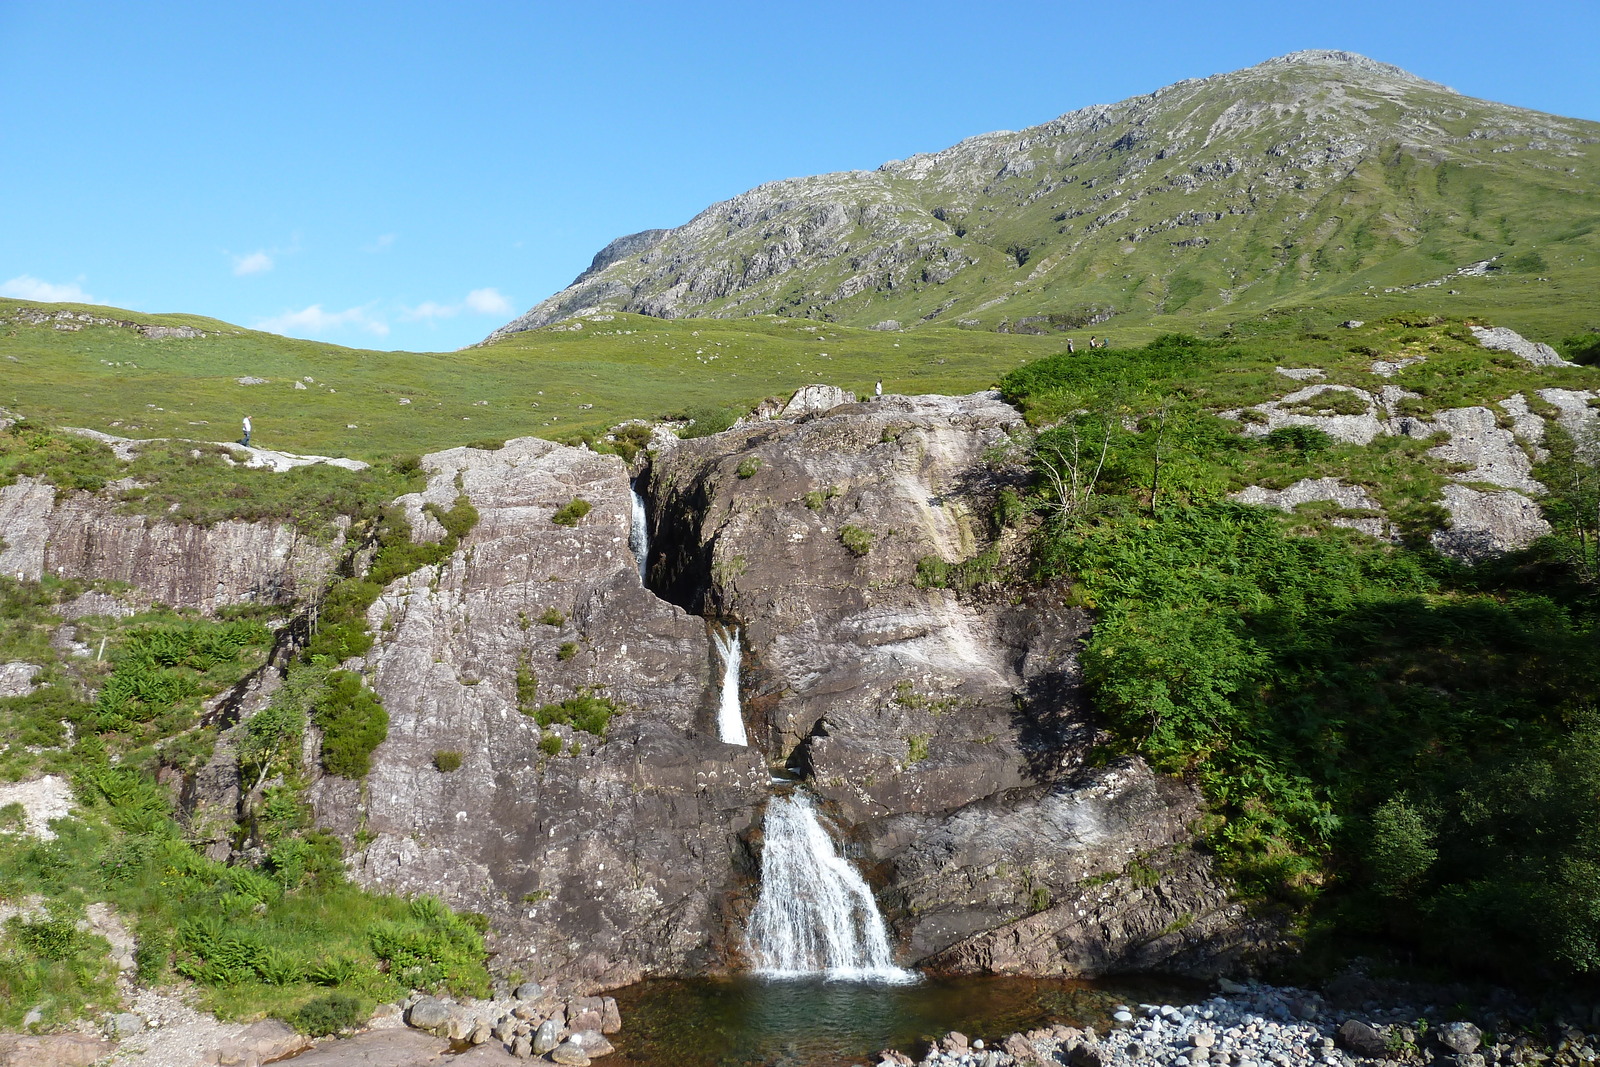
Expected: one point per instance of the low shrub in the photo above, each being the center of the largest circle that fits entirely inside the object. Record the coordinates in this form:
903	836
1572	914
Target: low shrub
445	761
582	711
858	539
571	512
353	723
328	1014
703	422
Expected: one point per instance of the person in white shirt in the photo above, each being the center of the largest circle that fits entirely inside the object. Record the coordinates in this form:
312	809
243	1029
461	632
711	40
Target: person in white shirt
246	441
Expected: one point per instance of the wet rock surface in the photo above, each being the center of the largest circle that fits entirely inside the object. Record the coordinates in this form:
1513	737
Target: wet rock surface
942	730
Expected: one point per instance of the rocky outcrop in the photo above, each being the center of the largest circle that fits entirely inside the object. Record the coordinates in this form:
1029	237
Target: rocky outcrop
79	535
917	715
943	730
600	859
1091	874
16	679
1485	524
1503	339
1331	490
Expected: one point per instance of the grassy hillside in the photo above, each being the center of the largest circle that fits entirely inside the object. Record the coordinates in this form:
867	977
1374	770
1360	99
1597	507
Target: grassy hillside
553	383
1401	748
581	377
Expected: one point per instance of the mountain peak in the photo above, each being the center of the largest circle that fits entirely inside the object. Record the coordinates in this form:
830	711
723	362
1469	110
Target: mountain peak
1314	172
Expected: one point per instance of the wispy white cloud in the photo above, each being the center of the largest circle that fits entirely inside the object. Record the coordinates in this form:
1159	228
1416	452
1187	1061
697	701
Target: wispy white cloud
382	244
488	301
27	287
316	322
255	263
428	309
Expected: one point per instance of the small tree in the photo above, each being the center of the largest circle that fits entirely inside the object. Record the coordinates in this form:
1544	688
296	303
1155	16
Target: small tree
1069	458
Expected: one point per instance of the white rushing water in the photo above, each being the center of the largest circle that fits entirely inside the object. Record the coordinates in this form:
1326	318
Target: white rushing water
730	716
816	915
639	538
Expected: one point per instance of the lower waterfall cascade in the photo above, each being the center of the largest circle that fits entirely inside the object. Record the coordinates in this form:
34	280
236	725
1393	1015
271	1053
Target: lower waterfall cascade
730	716
816	914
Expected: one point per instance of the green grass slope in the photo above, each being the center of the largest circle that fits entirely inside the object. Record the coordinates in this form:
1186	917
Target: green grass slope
558	383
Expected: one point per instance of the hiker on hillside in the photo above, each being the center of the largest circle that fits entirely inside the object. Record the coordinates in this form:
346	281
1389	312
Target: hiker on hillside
246	440
1070	349
1092	342
880	390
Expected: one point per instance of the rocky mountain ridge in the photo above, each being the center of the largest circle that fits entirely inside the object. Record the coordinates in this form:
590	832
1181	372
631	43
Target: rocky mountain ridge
1318	172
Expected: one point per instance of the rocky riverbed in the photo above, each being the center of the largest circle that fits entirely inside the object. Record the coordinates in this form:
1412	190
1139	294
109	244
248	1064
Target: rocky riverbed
1259	1025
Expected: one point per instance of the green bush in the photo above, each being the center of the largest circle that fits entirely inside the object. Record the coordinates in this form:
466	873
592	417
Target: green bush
1582	348
818	497
1302	439
983	569
567	651
571	512
328	1014
550	745
527	684
583	711
703	422
858	539
353	723
445	761
553	617
1008	509
748	466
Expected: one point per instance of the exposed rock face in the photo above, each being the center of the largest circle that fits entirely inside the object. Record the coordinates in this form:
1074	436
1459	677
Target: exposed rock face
1332	490
180	564
600	866
16	679
1489	453
1502	339
937	727
1021	905
900	706
1487	524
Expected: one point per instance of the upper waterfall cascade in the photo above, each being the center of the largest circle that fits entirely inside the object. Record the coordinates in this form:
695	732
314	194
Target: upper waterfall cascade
730	716
816	914
639	537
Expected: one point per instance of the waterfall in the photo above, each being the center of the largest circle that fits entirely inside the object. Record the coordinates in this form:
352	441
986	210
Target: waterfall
730	716
639	537
816	915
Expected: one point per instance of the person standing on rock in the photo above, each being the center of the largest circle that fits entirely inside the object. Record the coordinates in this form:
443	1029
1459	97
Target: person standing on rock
246	440
880	389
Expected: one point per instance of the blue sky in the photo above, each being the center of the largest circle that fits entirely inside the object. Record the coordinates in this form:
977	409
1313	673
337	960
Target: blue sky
401	175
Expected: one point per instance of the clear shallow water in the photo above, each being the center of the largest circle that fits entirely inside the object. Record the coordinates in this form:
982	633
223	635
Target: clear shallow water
754	1022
